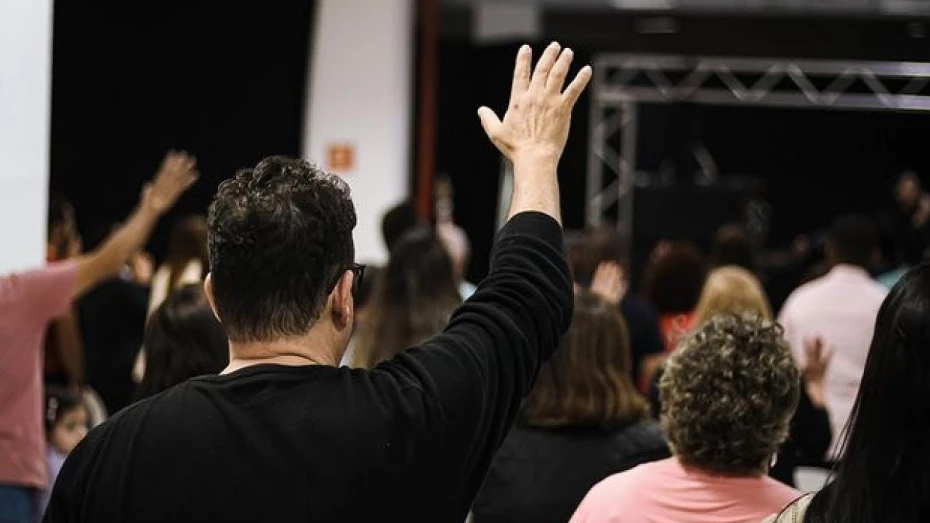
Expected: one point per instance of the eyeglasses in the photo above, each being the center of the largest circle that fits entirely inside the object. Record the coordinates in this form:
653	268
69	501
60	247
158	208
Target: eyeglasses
358	270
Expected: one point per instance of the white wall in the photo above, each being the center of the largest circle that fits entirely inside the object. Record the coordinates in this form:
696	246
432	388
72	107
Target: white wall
25	99
360	93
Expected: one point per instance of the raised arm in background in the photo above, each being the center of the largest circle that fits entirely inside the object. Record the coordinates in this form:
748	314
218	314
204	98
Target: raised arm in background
177	172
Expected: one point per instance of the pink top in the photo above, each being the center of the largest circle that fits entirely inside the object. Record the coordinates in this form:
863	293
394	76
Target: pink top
841	307
666	492
28	301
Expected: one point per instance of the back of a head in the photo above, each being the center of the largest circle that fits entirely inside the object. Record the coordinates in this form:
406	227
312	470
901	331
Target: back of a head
61	224
587	382
853	241
728	393
883	476
600	245
413	299
280	235
733	246
732	290
674	278
188	243
397	221
183	339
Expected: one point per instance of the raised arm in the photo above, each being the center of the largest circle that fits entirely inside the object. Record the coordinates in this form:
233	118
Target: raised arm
178	171
474	375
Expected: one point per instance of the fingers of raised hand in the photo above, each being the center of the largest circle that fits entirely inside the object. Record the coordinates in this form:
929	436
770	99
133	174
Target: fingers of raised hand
544	66
574	89
556	79
521	72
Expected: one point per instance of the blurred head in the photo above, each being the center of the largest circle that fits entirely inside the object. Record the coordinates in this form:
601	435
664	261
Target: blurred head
882	476
853	241
281	253
603	244
188	242
65	419
733	246
732	290
674	277
907	190
587	382
62	227
728	394
182	339
397	221
413	299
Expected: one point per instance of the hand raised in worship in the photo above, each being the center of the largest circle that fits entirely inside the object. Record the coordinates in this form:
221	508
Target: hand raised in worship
538	117
177	173
608	282
814	368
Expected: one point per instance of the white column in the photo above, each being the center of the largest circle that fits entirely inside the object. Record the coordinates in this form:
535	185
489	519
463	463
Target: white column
25	99
359	106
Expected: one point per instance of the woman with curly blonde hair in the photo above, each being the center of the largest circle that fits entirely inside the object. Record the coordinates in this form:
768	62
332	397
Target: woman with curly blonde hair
728	394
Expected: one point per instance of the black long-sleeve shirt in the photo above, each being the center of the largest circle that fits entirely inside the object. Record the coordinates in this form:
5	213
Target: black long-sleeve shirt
410	440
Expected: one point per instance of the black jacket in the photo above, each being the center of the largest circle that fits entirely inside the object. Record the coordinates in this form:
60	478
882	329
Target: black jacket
541	475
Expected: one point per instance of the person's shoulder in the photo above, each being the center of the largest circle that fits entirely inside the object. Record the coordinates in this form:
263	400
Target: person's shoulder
806	291
794	512
877	291
647	433
778	490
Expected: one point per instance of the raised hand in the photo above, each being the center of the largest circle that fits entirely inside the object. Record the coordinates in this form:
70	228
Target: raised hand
539	114
177	173
608	282
814	368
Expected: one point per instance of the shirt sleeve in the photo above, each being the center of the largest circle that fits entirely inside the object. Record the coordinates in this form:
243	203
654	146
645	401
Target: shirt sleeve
478	370
46	292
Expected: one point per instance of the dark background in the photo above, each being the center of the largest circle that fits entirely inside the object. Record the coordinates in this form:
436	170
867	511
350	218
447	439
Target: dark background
130	80
227	83
813	164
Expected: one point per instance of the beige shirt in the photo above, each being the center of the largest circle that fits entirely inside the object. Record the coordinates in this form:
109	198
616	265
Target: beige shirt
793	513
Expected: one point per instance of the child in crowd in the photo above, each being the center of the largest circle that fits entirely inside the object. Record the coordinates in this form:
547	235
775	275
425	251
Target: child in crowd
66	422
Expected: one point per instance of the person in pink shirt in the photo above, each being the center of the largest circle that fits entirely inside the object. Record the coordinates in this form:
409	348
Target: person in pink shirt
840	308
28	301
728	394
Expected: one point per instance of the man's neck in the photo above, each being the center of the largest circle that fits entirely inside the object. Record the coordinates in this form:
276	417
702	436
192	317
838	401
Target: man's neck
292	352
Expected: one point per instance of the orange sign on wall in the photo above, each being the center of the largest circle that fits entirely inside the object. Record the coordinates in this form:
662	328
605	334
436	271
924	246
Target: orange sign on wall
340	157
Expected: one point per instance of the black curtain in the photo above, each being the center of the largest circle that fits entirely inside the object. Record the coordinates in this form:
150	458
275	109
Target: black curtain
224	81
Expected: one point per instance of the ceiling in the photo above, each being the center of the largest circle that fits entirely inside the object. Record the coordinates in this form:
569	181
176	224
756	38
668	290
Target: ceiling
839	7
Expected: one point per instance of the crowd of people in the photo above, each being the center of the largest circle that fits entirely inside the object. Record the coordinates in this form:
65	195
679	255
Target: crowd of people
261	374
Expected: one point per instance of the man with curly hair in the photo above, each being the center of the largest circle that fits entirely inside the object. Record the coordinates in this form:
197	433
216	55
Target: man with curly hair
283	434
728	394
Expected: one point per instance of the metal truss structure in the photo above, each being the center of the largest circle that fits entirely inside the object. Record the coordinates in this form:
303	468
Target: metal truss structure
622	82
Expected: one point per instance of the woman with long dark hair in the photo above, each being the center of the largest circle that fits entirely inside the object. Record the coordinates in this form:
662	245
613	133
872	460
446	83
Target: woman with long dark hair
413	299
183	339
186	264
882	476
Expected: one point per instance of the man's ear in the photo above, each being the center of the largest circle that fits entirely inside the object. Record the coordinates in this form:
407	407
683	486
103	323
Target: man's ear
342	301
208	291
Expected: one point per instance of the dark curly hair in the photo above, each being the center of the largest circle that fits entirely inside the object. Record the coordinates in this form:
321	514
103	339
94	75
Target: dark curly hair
728	394
279	236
